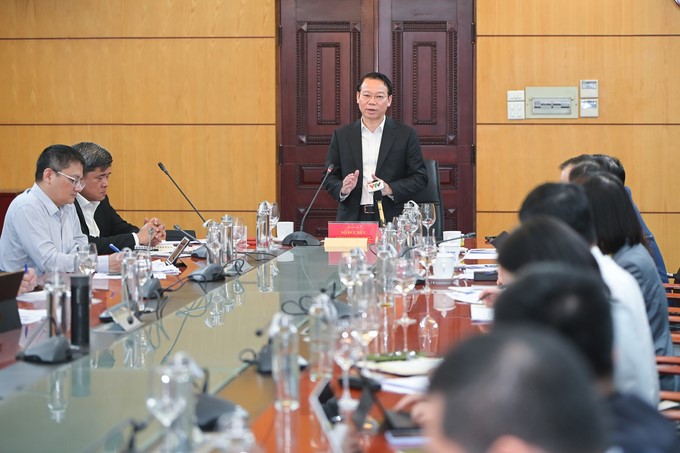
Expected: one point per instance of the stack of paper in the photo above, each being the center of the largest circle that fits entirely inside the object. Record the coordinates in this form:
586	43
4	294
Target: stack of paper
481	254
468	295
160	268
419	366
470	269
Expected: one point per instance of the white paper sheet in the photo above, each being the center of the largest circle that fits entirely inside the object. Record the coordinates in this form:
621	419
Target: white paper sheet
31	316
481	254
31	298
406	385
481	313
469	295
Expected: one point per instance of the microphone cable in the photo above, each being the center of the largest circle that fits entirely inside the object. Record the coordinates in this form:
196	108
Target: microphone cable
136	428
249	356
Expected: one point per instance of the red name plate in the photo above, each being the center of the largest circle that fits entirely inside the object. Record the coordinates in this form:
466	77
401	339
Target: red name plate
368	230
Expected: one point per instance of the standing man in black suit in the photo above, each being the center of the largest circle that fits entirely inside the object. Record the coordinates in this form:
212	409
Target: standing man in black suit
98	220
374	148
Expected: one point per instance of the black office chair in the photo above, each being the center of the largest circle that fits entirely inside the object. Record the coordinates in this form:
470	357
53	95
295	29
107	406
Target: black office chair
432	194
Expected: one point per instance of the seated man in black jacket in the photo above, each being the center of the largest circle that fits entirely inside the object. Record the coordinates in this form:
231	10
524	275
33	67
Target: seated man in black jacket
98	220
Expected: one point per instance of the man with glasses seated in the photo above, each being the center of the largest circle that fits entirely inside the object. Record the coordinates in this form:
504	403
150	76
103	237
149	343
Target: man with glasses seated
98	219
41	229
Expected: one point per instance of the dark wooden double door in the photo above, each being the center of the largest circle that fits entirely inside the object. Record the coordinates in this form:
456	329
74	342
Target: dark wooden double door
424	46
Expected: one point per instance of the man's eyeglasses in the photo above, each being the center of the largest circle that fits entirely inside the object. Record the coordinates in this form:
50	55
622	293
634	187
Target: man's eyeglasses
78	183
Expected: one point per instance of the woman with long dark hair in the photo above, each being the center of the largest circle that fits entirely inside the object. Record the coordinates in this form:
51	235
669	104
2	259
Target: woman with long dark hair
619	234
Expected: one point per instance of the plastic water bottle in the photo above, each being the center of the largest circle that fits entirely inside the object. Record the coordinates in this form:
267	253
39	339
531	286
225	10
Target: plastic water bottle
285	368
262	228
186	372
323	320
227	253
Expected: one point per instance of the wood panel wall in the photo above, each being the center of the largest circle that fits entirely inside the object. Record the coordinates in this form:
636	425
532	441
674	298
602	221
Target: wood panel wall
632	48
191	84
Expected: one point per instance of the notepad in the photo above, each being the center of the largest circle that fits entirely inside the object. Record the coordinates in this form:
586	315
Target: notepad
414	367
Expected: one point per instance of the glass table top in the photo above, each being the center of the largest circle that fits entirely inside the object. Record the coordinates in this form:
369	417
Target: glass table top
86	405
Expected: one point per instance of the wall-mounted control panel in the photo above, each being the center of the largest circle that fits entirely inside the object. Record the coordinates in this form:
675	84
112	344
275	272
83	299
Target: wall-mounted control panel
551	102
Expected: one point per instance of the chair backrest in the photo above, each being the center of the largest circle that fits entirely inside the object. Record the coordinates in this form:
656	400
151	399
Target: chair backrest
432	194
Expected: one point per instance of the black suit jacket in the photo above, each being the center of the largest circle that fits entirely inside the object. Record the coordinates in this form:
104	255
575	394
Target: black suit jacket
400	164
112	228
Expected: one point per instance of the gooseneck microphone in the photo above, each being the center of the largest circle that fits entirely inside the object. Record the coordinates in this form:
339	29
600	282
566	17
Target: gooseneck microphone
298	238
209	273
165	170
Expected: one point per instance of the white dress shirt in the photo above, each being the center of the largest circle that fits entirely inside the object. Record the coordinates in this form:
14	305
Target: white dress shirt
89	207
39	234
370	148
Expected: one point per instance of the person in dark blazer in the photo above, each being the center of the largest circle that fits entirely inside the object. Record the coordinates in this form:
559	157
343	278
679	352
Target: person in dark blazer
98	219
374	148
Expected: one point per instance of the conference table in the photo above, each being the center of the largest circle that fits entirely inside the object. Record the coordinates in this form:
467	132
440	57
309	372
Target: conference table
92	403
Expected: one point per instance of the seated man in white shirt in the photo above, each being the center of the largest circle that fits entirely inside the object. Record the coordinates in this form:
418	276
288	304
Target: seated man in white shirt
41	227
98	219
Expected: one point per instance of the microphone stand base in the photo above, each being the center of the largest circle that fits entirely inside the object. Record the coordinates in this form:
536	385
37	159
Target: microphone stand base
300	238
152	289
53	350
343	309
209	273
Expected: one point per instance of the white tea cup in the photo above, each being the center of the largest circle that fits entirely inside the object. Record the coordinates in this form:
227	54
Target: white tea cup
283	229
444	265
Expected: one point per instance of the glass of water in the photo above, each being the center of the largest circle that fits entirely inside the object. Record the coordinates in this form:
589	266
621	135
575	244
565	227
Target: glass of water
166	398
143	269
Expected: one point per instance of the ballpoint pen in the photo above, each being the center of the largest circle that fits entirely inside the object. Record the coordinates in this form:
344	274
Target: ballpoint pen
114	248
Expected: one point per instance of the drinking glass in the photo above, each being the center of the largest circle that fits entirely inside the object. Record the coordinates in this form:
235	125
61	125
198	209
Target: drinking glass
347	269
55	284
166	399
404	281
129	287
428	330
386	258
144	271
366	326
366	321
213	240
86	259
347	353
238	231
429	215
427	252
274	216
